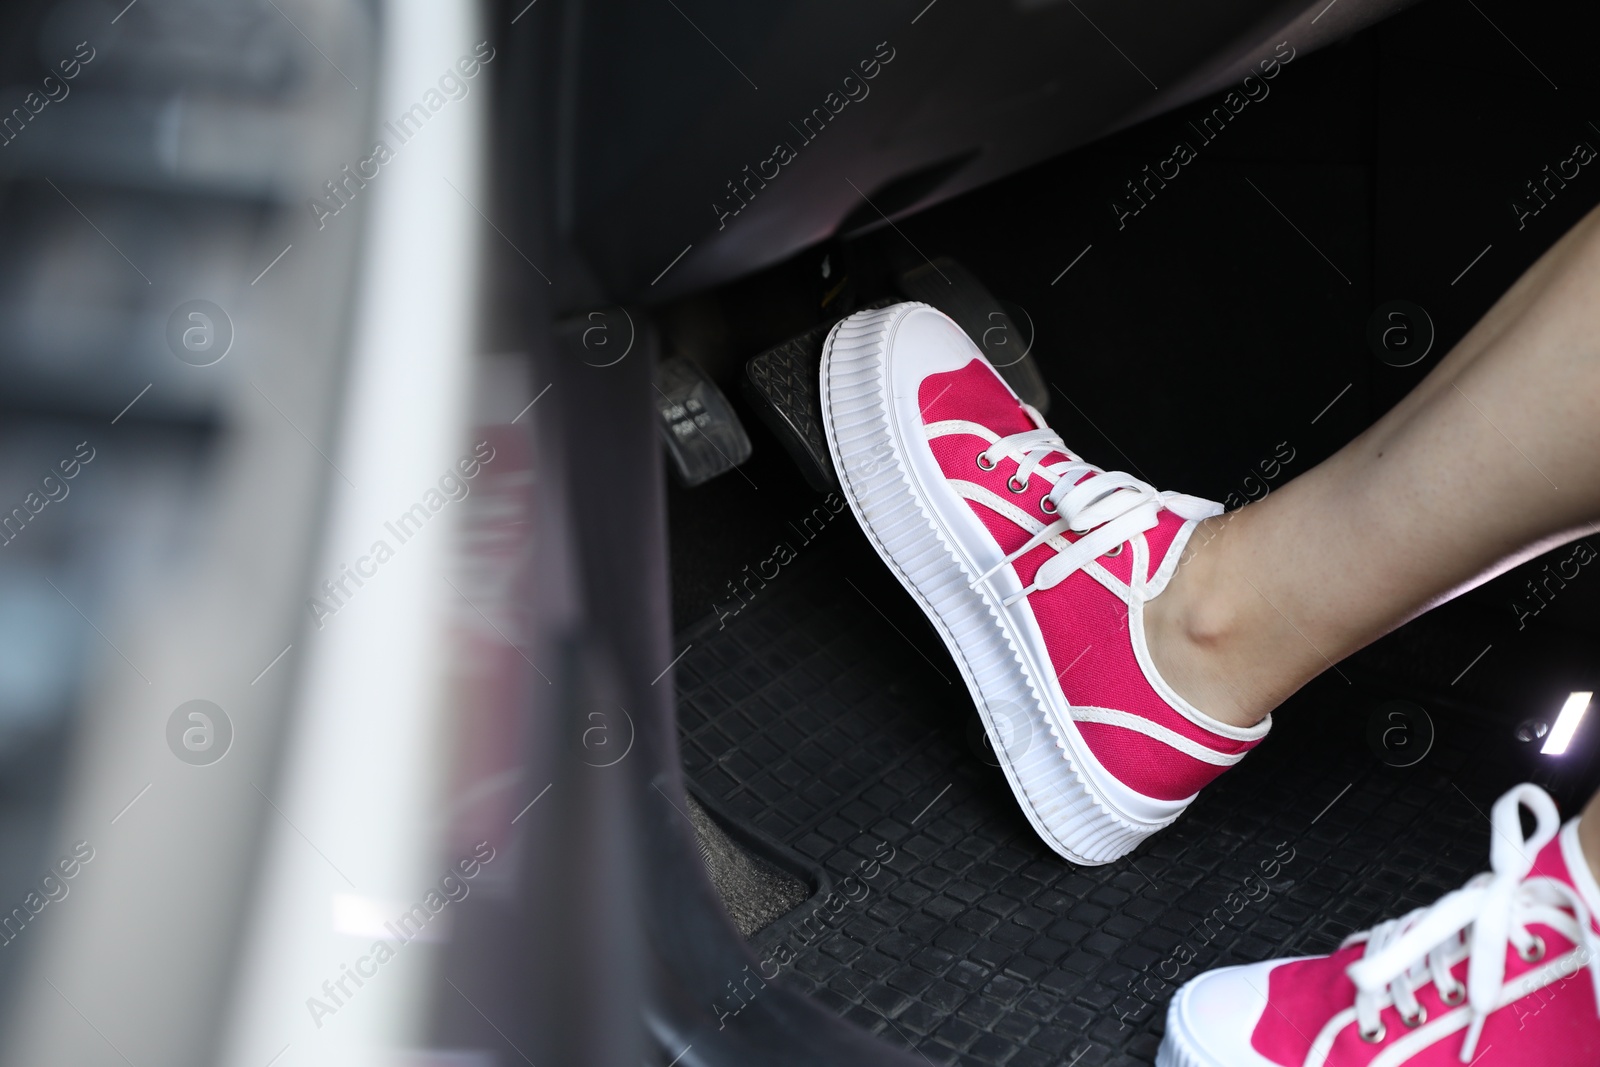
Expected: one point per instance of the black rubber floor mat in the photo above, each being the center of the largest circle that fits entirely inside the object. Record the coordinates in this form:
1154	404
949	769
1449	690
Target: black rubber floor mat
825	716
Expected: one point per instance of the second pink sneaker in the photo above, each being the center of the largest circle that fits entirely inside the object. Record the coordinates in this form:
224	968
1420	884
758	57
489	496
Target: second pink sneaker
1503	972
1034	566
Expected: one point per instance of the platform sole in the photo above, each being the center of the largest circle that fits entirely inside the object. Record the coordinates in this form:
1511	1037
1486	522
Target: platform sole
1059	798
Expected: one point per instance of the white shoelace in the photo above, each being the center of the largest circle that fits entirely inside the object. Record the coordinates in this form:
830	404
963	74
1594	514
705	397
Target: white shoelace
1106	507
1476	921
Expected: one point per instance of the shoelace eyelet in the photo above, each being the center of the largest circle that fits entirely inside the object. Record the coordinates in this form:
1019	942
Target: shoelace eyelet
1414	1021
1016	486
992	463
1047	506
1454	996
1114	552
1375	1036
1535	951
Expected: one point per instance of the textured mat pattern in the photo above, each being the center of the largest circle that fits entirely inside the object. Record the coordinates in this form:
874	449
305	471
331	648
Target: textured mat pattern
824	717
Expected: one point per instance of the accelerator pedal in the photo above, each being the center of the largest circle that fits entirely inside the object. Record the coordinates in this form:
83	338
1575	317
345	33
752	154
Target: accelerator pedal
703	434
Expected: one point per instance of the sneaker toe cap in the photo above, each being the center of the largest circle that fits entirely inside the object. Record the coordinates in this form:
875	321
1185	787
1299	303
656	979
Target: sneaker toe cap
1213	1016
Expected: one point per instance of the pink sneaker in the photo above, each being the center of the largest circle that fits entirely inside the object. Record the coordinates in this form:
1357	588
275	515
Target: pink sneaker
1505	970
1034	567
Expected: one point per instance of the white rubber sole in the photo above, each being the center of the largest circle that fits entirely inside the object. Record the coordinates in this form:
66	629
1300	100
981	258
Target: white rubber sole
1175	1052
1177	1048
1050	779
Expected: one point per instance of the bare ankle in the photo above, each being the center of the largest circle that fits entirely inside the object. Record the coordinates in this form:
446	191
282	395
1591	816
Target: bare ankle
1198	604
1195	626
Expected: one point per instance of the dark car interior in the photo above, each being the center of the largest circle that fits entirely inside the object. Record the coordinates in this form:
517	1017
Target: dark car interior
794	845
1378	174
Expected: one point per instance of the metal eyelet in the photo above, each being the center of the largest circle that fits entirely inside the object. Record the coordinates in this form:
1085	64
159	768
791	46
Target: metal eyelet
1534	952
1375	1036
992	463
1016	486
1454	996
1046	506
1115	551
1414	1021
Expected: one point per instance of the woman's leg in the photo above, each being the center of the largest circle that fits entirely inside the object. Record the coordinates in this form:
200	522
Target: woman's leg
1492	459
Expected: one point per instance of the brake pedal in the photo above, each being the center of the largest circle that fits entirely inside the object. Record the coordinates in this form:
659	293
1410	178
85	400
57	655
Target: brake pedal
781	384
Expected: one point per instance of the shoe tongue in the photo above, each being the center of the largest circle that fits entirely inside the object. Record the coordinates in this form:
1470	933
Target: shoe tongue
1563	861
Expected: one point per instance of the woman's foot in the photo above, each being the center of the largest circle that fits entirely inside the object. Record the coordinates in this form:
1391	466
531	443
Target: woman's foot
1505	970
1035	567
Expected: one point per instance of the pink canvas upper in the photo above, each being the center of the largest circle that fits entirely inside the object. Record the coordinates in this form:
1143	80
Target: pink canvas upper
1304	995
1086	625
